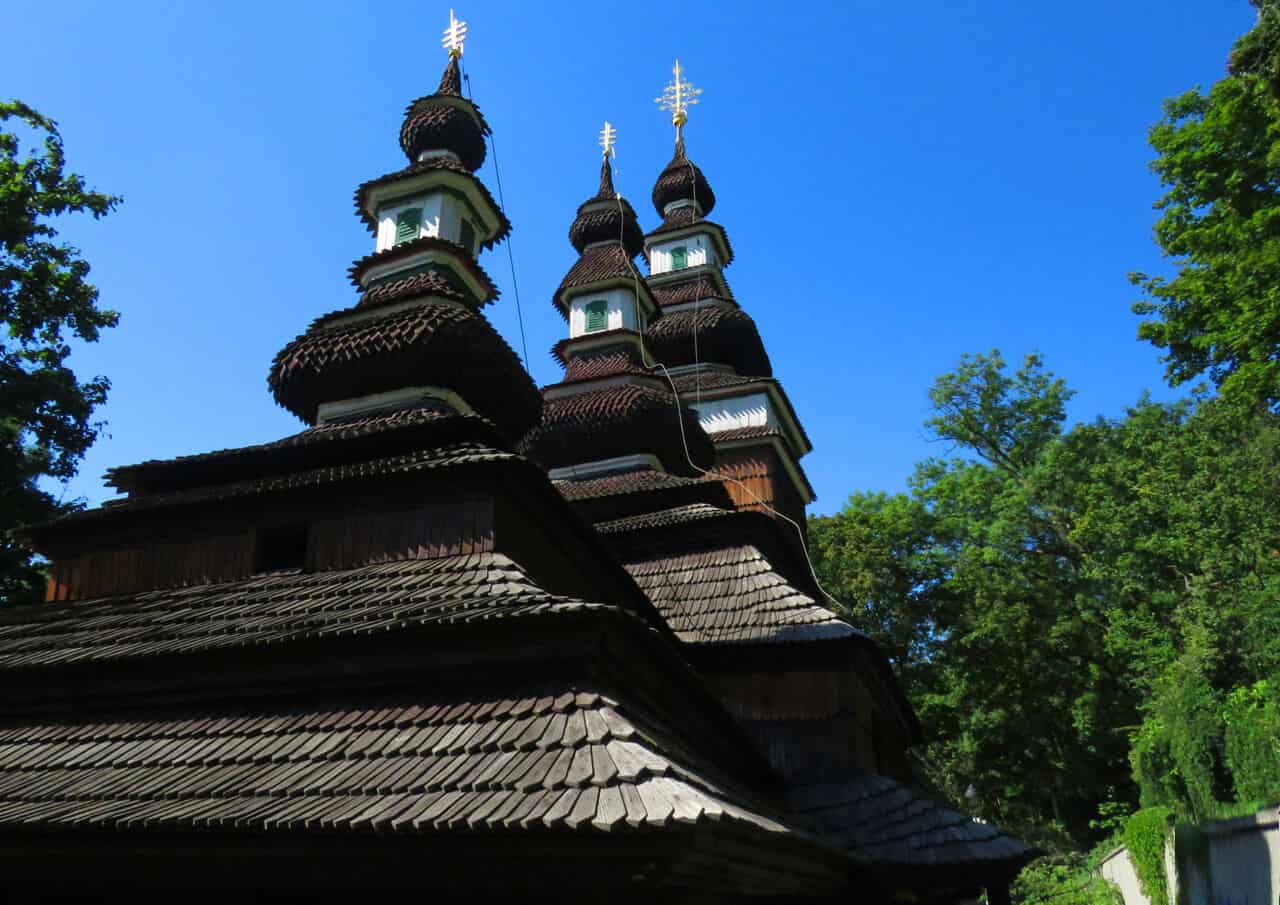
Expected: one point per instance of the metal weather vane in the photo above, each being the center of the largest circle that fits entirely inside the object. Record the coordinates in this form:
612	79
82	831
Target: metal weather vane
609	140
677	98
454	36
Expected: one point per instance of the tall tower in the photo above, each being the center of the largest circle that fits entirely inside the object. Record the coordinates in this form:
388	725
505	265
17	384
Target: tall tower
416	336
710	345
612	413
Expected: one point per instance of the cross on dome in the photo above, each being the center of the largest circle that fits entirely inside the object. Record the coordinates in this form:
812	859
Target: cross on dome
608	140
454	36
678	97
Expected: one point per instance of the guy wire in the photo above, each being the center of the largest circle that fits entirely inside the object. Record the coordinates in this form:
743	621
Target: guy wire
511	260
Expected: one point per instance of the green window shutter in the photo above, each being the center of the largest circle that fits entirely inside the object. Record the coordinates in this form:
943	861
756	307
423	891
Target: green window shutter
679	258
467	236
408	224
597	315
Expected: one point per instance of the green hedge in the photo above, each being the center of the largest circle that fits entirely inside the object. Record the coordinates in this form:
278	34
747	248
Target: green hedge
1067	879
1144	836
1252	715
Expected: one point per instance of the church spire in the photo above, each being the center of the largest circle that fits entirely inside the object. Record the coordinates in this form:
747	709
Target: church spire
725	371
611	411
416	332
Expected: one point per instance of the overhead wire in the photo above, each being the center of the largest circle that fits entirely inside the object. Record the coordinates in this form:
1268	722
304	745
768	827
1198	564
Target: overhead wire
502	205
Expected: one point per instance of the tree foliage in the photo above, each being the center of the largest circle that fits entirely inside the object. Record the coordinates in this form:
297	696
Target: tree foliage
1071	609
45	303
1219	161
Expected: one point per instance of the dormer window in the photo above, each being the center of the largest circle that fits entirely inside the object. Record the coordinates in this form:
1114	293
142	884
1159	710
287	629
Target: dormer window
597	315
408	225
467	236
679	258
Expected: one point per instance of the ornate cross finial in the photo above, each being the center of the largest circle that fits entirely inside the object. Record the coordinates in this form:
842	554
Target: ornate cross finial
454	36
678	97
608	140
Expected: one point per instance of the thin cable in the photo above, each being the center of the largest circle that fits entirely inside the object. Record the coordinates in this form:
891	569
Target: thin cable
511	259
649	362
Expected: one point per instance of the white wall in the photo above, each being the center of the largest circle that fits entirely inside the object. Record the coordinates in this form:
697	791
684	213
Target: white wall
717	415
699	247
442	215
1118	869
622	311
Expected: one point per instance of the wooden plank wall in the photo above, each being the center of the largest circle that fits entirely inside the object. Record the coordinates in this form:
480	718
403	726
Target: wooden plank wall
159	564
446	529
812	725
759	477
450	528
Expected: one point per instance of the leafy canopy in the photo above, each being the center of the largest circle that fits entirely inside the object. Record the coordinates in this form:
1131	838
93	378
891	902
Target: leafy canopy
45	302
1219	161
1073	610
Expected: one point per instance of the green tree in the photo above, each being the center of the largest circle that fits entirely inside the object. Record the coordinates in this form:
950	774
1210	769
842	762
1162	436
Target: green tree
45	301
1219	161
1073	608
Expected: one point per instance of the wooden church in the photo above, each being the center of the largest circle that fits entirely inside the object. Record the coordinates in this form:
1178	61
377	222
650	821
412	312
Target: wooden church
465	636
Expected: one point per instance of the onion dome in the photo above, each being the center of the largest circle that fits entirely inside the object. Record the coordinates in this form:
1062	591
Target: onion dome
711	333
619	421
606	217
681	180
347	355
445	121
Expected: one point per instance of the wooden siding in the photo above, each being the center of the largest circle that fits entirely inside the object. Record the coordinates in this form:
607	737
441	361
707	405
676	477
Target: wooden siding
159	564
760	477
449	528
811	725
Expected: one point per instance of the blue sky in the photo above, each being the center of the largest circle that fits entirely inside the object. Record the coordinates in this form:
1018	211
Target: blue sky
902	183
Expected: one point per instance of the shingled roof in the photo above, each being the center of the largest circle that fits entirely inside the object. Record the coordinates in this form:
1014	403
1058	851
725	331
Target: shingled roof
408	763
606	217
614	421
427	283
274	609
637	480
424	345
731	595
599	264
445	121
462	256
682	180
713	332
888	823
607	361
220	466
702	285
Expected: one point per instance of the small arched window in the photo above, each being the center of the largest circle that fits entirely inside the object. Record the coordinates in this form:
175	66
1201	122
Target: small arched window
679	258
408	225
597	315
